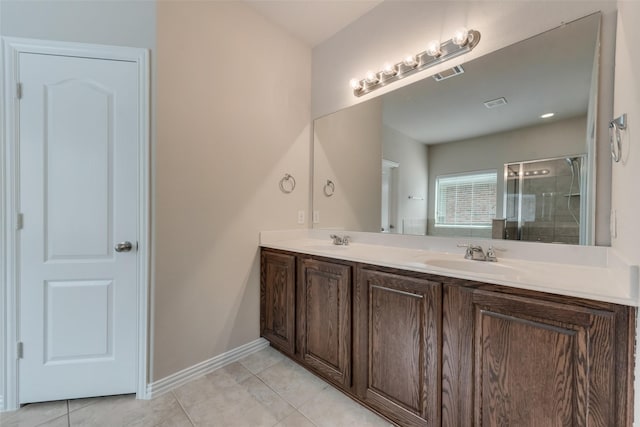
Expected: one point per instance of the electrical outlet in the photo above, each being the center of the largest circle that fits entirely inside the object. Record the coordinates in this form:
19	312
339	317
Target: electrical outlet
316	217
300	217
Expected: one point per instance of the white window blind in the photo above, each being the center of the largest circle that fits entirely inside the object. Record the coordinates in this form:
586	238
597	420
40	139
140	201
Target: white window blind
466	200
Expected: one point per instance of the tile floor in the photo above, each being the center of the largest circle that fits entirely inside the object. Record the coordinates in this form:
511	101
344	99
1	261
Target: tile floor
263	389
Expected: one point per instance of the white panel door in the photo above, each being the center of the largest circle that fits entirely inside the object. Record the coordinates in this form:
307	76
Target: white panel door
78	148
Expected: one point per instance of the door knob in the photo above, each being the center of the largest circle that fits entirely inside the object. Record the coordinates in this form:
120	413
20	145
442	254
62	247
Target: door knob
124	247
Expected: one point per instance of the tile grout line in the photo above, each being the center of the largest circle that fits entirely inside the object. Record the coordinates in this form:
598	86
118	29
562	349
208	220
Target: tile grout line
181	407
275	391
299	413
296	409
306	418
284	399
261	370
68	415
255	374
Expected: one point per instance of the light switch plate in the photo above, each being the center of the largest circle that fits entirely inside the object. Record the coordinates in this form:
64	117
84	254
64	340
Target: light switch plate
300	217
316	217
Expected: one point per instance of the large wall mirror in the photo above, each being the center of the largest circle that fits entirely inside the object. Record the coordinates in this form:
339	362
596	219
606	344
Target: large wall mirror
502	147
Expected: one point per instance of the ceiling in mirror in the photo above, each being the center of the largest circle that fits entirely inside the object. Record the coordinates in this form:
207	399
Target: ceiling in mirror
431	129
552	63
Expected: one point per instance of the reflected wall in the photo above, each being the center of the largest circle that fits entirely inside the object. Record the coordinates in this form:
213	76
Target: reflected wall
348	152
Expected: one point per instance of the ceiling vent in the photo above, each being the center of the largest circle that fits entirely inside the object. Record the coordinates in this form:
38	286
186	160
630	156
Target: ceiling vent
495	103
451	72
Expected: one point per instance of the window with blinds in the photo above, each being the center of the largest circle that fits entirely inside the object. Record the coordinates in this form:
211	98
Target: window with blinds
466	200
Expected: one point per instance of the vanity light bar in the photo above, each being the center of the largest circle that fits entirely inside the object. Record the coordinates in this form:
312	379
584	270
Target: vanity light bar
462	42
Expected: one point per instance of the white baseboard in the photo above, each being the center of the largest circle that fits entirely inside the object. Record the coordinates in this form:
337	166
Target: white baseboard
166	384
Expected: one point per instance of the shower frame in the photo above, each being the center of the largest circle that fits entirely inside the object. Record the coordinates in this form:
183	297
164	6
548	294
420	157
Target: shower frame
584	180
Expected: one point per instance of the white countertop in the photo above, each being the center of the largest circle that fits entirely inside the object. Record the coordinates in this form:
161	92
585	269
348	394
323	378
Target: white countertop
595	273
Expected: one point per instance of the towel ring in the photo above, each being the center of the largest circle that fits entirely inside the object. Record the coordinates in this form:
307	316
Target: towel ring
329	188
287	183
615	126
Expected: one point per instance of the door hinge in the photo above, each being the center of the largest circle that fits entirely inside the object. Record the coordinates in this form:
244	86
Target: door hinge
19	350
19	90
19	221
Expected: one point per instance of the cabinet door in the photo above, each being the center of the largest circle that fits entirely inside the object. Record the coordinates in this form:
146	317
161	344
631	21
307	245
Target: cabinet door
398	346
535	363
324	319
277	299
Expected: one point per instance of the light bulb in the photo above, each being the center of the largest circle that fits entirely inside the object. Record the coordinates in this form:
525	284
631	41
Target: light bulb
545	171
461	36
355	84
433	48
371	77
389	69
410	61
547	115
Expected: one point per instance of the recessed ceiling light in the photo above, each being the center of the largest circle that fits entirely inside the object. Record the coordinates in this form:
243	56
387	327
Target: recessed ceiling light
547	115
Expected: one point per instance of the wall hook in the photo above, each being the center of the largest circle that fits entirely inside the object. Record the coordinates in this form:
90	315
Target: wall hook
615	126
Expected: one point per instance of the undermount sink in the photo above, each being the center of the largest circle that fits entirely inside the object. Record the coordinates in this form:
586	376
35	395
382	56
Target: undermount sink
480	267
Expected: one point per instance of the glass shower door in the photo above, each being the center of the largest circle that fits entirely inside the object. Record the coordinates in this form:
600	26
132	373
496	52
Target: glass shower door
542	200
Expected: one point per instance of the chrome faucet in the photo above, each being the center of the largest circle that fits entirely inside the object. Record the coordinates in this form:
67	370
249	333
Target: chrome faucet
476	253
340	240
491	254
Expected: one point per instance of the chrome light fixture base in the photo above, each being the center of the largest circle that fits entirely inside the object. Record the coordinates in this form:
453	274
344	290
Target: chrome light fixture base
405	68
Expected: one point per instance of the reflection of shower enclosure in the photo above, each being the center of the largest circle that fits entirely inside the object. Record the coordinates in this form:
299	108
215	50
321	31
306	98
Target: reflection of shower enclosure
542	200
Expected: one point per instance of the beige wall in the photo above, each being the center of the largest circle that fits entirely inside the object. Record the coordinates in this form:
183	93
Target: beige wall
350	155
122	23
233	118
558	139
626	174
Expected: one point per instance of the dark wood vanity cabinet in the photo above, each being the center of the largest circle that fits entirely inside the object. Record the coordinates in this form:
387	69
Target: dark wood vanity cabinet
427	350
398	346
277	299
518	359
324	318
